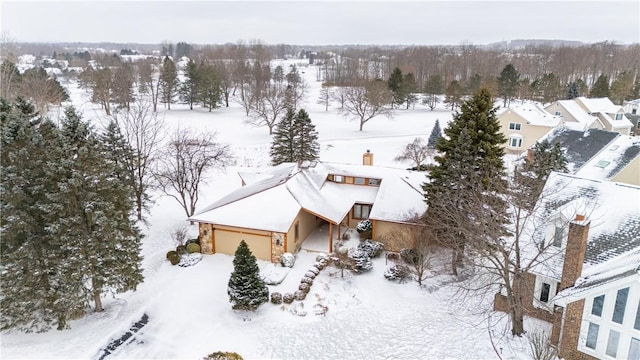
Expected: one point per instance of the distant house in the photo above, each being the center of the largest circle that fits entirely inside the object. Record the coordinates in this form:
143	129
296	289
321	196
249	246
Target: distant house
277	209
632	107
598	113
524	124
586	281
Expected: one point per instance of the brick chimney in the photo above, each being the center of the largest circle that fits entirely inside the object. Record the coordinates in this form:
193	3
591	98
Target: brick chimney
367	158
575	251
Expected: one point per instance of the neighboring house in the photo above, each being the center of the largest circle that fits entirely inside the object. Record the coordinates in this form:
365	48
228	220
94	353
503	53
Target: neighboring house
276	210
524	124
591	242
598	113
632	107
619	161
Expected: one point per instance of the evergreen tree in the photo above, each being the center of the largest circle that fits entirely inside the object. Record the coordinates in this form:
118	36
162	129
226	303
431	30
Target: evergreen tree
436	133
572	90
168	81
409	89
475	82
622	88
508	83
283	148
208	86
189	88
600	87
470	168
531	176
306	138
246	289
395	85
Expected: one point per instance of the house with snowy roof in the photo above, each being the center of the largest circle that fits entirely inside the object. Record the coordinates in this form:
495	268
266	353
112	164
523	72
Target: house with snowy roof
584	113
277	209
524	124
586	257
632	107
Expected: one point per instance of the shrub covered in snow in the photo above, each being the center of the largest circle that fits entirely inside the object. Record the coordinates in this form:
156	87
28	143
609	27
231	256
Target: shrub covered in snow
322	256
246	288
320	310
300	295
276	298
287	260
307	280
314	270
364	225
173	257
372	248
288	298
361	261
304	287
310	274
193	248
223	355
397	272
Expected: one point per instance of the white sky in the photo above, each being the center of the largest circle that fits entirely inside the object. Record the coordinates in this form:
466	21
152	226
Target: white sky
320	22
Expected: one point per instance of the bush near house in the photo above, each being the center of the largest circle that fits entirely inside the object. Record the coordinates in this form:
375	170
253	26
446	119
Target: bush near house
173	257
372	248
193	248
223	355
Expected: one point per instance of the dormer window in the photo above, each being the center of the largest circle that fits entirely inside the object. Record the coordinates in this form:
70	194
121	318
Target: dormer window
338	178
514	126
618	116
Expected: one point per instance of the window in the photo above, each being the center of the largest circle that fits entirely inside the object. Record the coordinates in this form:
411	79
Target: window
558	113
374	182
598	302
544	292
361	211
557	236
359	181
637	323
602	164
634	349
621	304
515	142
612	344
514	126
338	178
296	232
592	336
618	116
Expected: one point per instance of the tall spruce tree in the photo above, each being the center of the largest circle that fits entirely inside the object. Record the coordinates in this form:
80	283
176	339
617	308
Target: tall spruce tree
600	87
436	133
189	88
306	138
572	91
168	81
531	176
283	148
246	289
395	85
470	167
508	83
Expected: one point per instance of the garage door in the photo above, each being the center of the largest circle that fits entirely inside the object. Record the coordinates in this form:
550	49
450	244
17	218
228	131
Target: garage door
227	243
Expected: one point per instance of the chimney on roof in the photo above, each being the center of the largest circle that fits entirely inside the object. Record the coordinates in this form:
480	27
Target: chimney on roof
367	158
575	251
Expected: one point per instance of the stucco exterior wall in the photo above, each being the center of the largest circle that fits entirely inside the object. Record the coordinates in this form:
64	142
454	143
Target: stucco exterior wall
530	133
226	240
306	224
395	236
630	174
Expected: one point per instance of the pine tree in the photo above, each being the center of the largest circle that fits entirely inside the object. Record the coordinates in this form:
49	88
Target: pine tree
208	86
572	91
600	87
436	133
395	85
622	88
246	289
508	83
306	138
189	88
168	81
283	147
531	176
409	88
470	167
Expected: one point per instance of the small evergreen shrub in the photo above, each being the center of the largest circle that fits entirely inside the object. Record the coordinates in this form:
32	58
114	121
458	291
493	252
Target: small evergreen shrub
192	241
288	298
276	298
193	248
223	355
304	287
287	260
409	256
372	248
314	270
361	261
180	249
397	272
300	295
364	225
307	280
173	257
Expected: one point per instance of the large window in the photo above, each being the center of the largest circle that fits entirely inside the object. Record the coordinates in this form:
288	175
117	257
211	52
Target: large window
634	349
361	211
514	126
612	344
598	303
621	304
515	142
592	336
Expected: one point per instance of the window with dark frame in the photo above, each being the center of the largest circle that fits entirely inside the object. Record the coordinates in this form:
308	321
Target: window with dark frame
361	211
598	303
544	292
296	232
515	126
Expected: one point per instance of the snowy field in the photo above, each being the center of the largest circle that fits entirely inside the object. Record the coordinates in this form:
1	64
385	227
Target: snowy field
189	315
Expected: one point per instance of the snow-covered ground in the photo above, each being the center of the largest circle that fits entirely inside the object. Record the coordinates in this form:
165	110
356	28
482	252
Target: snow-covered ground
188	308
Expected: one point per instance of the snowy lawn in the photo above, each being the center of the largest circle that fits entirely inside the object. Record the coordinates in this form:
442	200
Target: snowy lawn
188	308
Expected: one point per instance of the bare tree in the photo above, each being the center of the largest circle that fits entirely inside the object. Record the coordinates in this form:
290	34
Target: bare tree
184	162
267	109
143	133
339	95
149	80
417	151
366	102
325	96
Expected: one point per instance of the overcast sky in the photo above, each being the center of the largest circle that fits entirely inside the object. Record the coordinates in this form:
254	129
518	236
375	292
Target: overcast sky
320	22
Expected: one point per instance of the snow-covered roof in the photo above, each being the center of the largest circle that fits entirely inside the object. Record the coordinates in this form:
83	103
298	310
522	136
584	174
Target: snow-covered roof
612	209
272	198
622	123
579	146
598	105
576	111
534	114
612	159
